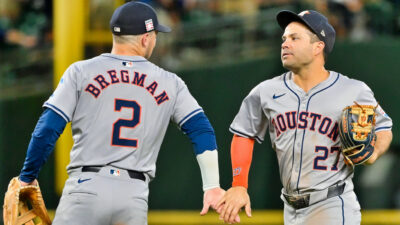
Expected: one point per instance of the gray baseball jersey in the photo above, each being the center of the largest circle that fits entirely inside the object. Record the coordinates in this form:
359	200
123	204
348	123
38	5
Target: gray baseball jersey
303	127
120	108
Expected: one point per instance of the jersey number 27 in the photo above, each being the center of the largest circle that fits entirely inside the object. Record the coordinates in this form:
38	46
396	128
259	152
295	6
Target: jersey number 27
116	139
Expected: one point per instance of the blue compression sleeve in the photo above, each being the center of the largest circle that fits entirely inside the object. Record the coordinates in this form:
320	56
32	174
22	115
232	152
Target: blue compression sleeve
47	130
200	132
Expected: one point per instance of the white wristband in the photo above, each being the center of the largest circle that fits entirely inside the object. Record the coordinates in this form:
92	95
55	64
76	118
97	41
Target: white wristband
208	162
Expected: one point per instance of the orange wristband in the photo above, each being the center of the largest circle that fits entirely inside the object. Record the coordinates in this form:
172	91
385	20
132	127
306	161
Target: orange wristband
241	156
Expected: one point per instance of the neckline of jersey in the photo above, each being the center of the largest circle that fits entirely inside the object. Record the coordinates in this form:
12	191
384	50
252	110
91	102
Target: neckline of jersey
133	58
314	89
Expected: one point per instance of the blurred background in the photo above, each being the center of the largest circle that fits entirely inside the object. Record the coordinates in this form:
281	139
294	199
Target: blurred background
221	49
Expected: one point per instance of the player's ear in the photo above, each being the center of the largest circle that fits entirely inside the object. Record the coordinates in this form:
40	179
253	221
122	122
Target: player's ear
319	47
145	40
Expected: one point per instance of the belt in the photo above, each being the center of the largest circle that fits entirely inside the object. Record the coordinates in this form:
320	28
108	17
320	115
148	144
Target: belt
132	173
303	201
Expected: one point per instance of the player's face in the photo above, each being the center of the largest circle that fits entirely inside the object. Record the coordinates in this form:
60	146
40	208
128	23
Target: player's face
152	39
296	49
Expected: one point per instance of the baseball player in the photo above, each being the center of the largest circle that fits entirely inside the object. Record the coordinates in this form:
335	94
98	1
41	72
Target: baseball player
119	106
300	110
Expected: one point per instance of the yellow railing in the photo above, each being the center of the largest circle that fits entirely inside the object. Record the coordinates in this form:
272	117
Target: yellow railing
260	217
71	33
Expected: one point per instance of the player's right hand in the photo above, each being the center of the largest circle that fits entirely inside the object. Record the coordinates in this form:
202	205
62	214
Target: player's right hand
229	206
211	198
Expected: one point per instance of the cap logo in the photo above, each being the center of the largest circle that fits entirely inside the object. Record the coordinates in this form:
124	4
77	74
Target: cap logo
117	29
323	33
149	25
303	13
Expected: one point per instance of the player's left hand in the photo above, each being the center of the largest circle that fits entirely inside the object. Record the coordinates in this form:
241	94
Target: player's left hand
234	199
382	143
211	198
372	159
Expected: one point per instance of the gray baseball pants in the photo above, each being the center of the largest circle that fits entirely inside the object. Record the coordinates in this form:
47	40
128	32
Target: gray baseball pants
343	209
107	197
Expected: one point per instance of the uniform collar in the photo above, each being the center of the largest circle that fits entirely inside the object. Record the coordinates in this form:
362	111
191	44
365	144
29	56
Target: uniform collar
317	87
133	58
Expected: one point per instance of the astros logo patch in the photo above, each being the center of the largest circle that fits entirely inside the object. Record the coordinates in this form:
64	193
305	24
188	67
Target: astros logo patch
236	171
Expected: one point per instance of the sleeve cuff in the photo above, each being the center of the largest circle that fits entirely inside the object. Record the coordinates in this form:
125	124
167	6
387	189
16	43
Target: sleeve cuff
383	128
242	134
208	162
190	115
57	110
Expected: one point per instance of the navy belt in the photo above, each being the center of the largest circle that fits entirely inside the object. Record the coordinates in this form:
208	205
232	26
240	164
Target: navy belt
132	173
303	201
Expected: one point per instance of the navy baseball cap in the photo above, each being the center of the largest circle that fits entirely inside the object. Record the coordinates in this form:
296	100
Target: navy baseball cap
135	18
314	20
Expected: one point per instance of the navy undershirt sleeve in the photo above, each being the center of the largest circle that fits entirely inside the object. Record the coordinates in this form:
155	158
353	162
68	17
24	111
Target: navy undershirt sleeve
200	132
48	129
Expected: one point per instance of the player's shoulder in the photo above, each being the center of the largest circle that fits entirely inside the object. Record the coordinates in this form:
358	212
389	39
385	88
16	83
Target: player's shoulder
273	81
75	69
82	68
347	81
163	72
268	86
86	63
168	76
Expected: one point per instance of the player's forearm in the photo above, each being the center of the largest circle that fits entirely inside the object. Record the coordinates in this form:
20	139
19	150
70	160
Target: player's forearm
202	136
44	137
241	156
383	140
208	163
36	156
200	132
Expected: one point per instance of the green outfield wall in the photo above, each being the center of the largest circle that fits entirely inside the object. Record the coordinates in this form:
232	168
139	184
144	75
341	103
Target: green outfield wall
220	91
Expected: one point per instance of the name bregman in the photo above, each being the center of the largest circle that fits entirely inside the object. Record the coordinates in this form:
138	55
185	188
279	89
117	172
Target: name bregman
138	80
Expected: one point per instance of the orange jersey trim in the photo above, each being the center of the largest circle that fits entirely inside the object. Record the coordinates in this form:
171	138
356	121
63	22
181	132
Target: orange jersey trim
241	156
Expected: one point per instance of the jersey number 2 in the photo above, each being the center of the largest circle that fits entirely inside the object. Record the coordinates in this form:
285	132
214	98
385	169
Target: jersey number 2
116	140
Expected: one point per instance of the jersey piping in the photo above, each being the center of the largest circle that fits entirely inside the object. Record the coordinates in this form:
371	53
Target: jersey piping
243	134
130	60
297	119
59	111
383	128
188	116
304	131
342	209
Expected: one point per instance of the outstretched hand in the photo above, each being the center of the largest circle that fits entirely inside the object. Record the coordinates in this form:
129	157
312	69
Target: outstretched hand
229	206
211	198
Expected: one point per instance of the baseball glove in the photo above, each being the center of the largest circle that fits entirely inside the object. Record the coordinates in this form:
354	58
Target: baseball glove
24	205
357	133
